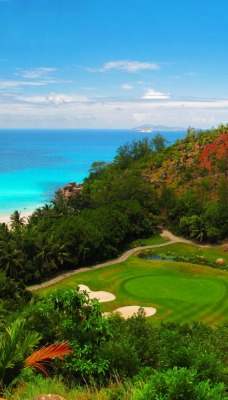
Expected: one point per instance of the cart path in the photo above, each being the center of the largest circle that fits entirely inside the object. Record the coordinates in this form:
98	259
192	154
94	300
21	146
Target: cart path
165	233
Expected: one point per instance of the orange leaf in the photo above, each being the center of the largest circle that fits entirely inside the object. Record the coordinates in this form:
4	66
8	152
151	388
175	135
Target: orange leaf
41	356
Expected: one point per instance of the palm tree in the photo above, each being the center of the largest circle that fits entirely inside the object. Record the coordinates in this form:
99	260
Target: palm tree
11	259
51	253
35	216
5	233
16	346
17	222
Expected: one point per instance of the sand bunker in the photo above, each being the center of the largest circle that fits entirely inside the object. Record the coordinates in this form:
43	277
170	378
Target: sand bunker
125	312
101	296
128	311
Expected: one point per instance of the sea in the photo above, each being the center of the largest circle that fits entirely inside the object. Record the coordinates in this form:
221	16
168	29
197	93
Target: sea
35	163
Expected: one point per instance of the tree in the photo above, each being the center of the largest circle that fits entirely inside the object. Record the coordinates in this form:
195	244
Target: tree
50	252
193	227
159	142
180	383
130	152
13	295
97	168
17	222
16	345
70	315
11	259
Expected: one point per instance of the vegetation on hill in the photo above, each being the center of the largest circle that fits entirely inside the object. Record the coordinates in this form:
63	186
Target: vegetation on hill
183	186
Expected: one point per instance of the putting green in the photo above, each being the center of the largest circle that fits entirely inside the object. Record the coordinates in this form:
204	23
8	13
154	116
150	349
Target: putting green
148	287
180	291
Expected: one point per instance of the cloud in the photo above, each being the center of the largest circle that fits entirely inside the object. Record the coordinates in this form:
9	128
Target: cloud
58	109
141	117
36	73
151	94
53	98
14	84
58	99
127	86
125	65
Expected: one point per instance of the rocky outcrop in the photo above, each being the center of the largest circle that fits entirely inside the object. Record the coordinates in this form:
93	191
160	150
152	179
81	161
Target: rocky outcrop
71	189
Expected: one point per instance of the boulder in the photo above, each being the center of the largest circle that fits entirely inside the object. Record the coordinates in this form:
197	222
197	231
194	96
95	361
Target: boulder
220	261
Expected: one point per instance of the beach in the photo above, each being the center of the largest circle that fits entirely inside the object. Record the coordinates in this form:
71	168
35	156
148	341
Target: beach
5	218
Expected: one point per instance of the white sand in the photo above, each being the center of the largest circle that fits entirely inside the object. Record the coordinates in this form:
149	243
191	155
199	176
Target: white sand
101	296
5	218
126	312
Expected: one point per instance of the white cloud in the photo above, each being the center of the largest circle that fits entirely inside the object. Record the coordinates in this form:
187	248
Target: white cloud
151	94
36	73
125	65
58	99
11	84
57	110
127	86
141	117
53	98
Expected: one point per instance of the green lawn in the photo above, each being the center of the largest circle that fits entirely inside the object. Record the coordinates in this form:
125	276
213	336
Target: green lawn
152	240
180	291
185	249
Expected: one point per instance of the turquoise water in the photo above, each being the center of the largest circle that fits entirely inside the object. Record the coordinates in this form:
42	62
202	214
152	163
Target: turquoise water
35	163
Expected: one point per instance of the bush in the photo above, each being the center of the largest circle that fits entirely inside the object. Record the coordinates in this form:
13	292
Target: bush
179	384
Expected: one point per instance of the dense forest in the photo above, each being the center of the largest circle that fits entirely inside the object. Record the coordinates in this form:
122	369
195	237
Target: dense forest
149	183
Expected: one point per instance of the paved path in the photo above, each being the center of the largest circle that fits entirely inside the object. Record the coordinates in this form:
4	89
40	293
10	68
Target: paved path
165	233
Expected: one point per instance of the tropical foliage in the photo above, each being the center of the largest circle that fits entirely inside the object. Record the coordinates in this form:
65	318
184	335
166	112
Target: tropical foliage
147	361
183	186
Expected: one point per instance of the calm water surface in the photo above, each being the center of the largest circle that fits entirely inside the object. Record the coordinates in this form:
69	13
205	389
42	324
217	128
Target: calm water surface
35	163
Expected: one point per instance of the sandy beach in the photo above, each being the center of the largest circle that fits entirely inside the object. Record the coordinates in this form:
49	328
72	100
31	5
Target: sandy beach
5	218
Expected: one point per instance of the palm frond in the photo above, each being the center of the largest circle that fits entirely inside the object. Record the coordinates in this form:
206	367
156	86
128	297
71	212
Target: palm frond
42	356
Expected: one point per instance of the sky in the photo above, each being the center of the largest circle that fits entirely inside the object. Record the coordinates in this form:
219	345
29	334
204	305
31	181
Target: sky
113	63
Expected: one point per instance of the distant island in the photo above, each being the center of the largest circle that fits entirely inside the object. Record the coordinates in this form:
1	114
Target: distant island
151	128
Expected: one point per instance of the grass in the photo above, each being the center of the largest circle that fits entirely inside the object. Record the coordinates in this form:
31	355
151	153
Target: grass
152	240
180	291
185	249
39	385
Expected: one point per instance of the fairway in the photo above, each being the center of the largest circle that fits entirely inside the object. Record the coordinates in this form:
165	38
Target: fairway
180	291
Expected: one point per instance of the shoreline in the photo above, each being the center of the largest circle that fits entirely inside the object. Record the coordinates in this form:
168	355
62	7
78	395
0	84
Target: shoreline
5	218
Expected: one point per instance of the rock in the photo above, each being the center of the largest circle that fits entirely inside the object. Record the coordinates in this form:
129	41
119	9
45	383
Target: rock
220	261
48	397
71	189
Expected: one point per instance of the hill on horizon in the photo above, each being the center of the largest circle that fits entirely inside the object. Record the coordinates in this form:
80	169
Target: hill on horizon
157	127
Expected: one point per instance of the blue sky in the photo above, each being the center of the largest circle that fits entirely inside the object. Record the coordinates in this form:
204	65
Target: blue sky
113	63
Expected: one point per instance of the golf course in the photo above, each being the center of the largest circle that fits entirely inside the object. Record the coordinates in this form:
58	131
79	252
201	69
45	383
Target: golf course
179	291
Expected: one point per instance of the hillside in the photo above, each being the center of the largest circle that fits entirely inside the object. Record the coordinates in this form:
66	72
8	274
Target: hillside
119	207
198	161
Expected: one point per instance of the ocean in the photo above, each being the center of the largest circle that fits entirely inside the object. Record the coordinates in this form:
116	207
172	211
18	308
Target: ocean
34	163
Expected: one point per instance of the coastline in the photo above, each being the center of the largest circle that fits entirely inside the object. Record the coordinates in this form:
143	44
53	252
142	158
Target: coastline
5	218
